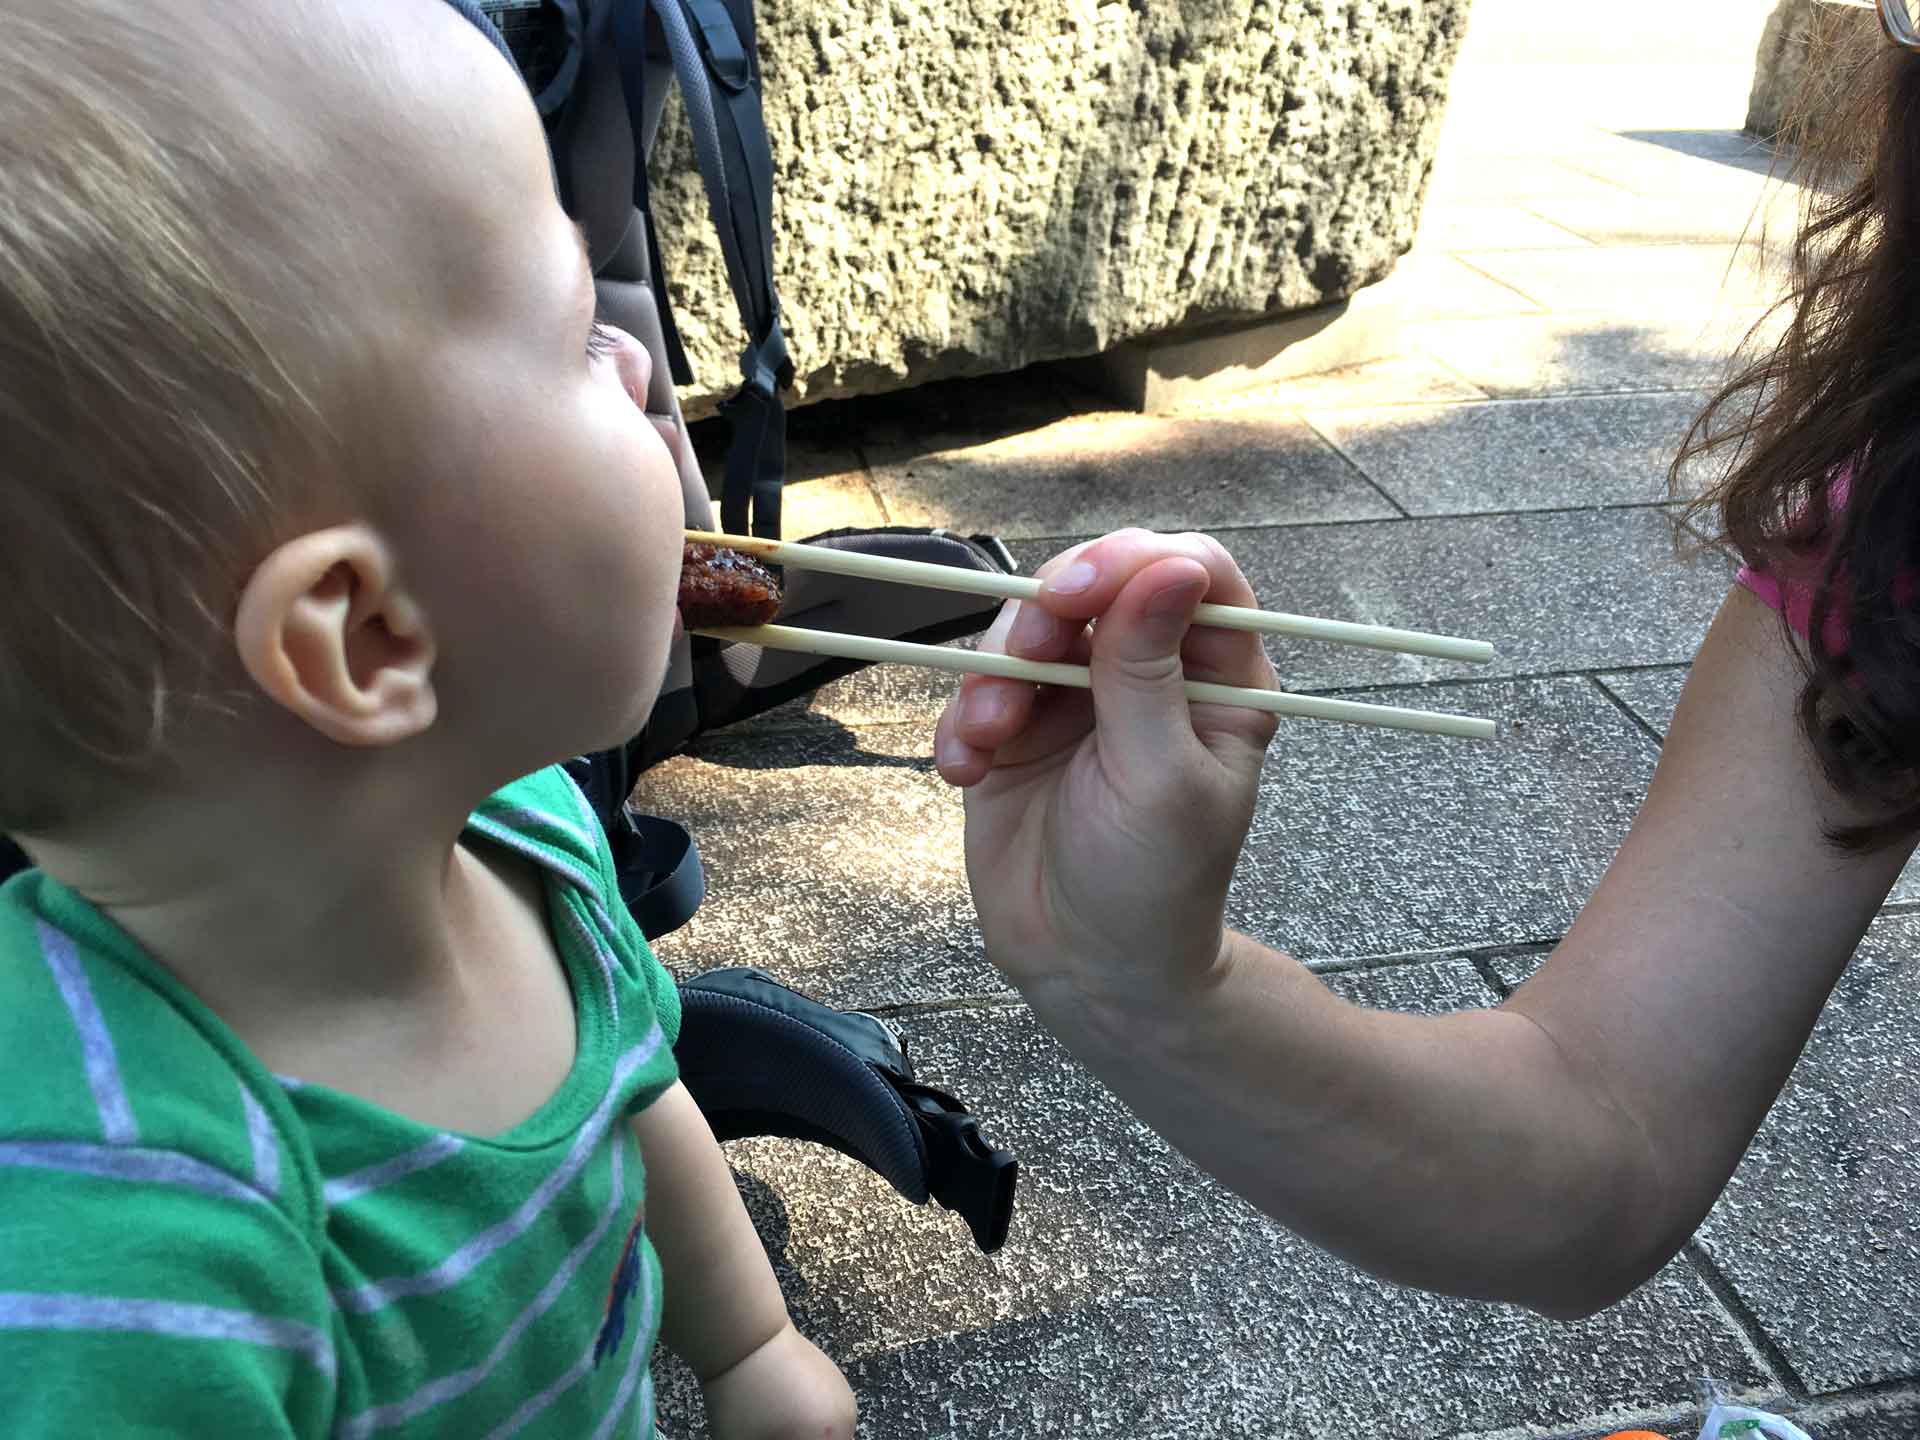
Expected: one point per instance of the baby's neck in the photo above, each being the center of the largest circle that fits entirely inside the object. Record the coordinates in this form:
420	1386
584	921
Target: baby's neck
283	915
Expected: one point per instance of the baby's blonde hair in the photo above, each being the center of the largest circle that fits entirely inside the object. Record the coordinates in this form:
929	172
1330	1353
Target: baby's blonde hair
155	428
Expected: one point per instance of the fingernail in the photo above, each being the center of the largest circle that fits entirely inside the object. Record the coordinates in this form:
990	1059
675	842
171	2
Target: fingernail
983	706
1076	577
1176	599
949	752
1032	628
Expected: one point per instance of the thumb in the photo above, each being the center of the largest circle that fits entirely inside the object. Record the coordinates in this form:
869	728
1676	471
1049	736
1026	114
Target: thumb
1139	685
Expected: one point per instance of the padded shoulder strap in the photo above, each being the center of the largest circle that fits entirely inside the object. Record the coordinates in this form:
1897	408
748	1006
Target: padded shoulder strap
711	44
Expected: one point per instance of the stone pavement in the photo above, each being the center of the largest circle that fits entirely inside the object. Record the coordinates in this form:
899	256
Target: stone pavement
1575	286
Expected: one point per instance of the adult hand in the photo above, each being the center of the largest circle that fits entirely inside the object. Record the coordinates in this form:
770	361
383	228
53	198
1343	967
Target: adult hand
1103	828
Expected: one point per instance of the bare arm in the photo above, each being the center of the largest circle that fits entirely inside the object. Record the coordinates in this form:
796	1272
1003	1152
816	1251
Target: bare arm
1557	1150
724	1313
722	1300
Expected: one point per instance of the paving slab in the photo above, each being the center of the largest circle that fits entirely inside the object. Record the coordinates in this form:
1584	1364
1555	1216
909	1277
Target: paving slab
1650	694
1135	1297
1516	454
1647	167
1653	694
1819	1230
1720	145
834	862
1534	355
1706	215
1093	473
1878	1417
1632	281
1369	842
1567	590
1491	225
1491	179
1426	285
1398	380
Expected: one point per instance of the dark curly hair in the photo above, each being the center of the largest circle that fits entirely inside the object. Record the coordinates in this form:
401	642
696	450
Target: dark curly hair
1816	437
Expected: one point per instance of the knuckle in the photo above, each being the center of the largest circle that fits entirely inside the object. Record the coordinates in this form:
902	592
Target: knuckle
1147	671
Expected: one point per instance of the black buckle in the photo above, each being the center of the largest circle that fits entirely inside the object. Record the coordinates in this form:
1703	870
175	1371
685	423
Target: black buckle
767	366
726	57
964	1173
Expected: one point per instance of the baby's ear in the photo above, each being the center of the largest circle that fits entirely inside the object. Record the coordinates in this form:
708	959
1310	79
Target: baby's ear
326	631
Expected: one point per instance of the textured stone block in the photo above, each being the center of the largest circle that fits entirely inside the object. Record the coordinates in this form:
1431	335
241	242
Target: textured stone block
964	188
1800	68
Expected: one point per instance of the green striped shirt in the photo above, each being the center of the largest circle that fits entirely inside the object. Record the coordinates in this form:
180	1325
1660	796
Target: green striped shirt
191	1245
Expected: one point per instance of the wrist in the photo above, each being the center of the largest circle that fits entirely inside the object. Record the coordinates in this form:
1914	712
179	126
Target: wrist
1129	1005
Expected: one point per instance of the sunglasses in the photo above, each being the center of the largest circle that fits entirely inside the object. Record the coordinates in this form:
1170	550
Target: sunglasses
1897	19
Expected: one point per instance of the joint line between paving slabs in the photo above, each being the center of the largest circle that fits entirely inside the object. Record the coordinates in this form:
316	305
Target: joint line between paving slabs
1659	740
1372	484
1348	520
1490	977
1677	1423
1397	959
1503	284
867	483
913	1009
1466	682
1770	1357
1861	1400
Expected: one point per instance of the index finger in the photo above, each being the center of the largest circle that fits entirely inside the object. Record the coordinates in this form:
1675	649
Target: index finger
1090	578
1083	582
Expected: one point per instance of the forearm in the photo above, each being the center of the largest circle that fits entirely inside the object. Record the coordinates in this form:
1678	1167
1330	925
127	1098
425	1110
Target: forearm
1462	1153
722	1301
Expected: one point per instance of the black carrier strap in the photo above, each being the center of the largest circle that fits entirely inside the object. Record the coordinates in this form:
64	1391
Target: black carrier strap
761	1059
711	44
658	865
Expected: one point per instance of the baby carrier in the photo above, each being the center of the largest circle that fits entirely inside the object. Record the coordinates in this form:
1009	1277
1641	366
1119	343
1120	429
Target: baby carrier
759	1058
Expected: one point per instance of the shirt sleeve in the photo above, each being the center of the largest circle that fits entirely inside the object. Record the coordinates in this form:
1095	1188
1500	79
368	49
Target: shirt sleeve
660	985
144	1292
1793	599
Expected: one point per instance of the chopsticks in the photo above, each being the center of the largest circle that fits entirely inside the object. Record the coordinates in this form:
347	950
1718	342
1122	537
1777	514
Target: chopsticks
1040	672
874	650
1025	587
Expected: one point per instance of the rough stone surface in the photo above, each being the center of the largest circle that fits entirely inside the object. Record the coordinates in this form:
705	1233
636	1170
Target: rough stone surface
1531	355
1889	1417
1575	590
1517	454
1650	694
1135	1297
1794	73
964	188
1095	473
1370	842
1819	1230
833	861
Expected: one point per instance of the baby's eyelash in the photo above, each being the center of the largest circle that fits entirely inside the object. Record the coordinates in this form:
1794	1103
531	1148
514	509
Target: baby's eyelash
601	341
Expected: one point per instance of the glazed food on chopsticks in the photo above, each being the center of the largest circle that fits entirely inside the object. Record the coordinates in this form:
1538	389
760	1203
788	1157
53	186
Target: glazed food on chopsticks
721	587
877	650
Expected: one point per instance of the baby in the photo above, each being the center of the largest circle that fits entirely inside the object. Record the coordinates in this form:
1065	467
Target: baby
333	1063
